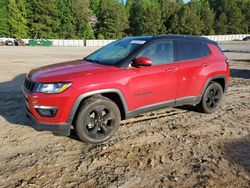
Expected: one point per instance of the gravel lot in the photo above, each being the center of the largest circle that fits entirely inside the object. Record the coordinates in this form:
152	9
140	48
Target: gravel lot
236	46
175	147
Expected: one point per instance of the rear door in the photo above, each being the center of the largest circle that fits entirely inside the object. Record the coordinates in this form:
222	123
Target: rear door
193	61
158	83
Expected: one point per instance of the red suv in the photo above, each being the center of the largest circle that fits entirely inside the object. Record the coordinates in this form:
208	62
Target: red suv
123	79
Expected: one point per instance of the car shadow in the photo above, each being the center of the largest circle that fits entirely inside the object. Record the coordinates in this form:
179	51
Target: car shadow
238	152
12	106
189	108
240	73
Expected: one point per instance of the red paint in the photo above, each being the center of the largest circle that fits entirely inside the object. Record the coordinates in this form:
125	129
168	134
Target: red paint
141	86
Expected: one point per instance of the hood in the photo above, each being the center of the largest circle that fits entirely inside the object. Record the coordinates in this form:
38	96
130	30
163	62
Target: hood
68	70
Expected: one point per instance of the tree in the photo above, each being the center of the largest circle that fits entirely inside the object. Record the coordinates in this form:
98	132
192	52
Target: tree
117	18
247	16
4	26
82	16
94	5
229	17
187	21
17	14
111	19
145	18
235	19
44	21
207	17
128	5
169	9
221	25
66	19
244	5
180	2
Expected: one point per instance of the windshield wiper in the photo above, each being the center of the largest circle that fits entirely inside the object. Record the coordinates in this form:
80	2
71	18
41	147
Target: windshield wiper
93	61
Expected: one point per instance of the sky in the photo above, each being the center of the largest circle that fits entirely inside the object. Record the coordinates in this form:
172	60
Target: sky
185	1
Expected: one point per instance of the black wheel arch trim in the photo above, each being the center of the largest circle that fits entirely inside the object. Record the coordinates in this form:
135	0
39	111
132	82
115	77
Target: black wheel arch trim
92	93
214	78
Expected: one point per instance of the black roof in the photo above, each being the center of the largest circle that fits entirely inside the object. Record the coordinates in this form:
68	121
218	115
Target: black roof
172	36
188	37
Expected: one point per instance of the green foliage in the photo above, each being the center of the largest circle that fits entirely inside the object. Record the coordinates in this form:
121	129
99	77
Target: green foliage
17	18
100	36
234	16
207	17
187	21
94	5
244	5
247	15
66	19
4	26
169	9
221	25
44	19
128	5
82	14
230	18
145	18
111	19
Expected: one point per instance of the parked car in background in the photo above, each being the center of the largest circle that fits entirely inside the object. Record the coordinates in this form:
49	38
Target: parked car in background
246	38
123	79
9	43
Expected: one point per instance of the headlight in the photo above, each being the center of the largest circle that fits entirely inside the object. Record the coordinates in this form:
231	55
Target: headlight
53	87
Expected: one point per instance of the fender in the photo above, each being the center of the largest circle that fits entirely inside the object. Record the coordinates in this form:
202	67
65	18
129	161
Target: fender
91	93
213	78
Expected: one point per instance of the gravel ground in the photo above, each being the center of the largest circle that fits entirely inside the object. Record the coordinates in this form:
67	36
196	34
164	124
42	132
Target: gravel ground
236	46
175	147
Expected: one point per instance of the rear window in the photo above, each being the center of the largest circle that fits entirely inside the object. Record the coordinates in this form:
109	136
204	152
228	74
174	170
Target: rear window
188	50
206	50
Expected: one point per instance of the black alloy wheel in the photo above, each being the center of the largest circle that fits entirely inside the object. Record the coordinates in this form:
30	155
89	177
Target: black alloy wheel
212	98
98	120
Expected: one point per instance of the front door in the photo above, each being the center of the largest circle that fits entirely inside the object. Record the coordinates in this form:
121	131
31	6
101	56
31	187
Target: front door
156	84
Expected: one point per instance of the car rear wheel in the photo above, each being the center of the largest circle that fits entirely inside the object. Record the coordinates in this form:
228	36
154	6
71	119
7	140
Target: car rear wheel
97	120
212	98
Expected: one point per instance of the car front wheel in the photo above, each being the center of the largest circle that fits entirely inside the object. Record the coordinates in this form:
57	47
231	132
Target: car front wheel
97	120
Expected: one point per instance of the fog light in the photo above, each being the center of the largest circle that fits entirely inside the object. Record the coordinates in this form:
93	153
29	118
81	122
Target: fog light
46	111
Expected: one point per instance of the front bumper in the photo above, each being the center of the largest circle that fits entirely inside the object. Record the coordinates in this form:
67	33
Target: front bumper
57	129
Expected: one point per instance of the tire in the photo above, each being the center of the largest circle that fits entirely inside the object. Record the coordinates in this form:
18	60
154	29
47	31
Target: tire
211	98
9	43
98	120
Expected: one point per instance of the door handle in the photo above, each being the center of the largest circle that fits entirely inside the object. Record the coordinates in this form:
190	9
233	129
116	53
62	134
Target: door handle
172	70
204	64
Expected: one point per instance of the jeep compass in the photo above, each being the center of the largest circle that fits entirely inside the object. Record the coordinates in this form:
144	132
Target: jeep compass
124	79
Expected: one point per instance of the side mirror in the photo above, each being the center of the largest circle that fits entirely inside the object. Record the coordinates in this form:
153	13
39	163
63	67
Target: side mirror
142	61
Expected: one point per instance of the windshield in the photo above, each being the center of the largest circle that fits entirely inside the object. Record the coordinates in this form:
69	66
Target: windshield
115	52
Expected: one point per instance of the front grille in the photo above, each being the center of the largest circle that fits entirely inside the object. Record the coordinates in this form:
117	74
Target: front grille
30	85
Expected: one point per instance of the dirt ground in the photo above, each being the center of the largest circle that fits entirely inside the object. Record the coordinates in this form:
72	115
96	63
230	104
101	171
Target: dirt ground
175	147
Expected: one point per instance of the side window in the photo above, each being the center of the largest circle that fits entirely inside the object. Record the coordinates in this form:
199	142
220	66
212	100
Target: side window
160	52
188	50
